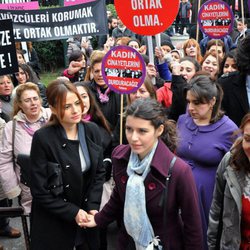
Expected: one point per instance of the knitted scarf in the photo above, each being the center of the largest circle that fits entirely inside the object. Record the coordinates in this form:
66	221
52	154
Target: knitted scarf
103	97
136	220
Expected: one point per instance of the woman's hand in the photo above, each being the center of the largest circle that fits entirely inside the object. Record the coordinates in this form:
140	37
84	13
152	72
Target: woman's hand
175	68
74	67
143	49
81	217
159	54
91	221
151	71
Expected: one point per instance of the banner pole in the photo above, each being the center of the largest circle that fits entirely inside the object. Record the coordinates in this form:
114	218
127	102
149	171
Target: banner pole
121	119
151	54
197	23
243	15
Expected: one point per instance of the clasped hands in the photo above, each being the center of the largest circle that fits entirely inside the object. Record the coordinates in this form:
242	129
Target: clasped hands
84	219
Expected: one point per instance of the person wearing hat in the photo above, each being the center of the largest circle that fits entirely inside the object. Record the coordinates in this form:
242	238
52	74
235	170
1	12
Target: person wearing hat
166	47
176	55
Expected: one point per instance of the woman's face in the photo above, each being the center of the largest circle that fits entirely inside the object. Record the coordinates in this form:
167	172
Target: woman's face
20	58
187	70
210	65
200	112
6	86
141	135
142	92
175	56
230	66
97	75
30	103
246	140
191	50
21	76
85	98
72	110
134	45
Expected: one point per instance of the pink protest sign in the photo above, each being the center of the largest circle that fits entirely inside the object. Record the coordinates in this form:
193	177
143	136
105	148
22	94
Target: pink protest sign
215	19
123	69
20	6
75	2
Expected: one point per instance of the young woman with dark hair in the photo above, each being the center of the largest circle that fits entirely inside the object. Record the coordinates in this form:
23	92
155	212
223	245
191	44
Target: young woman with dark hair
26	74
205	136
140	171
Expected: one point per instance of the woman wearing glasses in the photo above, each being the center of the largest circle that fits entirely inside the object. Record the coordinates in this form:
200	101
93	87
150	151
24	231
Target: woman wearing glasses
29	116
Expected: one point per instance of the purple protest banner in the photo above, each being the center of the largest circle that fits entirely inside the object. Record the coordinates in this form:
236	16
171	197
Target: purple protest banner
123	69
216	19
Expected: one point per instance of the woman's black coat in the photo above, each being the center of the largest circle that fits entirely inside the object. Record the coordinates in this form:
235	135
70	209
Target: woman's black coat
53	223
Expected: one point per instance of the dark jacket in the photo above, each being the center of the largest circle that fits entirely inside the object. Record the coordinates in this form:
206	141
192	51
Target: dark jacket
42	90
118	33
235	100
182	196
34	61
179	103
53	225
110	109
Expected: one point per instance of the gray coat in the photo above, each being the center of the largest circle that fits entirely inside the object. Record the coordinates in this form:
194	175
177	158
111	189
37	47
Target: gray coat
228	189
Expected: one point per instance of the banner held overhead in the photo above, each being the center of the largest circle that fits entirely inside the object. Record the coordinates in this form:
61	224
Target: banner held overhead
86	19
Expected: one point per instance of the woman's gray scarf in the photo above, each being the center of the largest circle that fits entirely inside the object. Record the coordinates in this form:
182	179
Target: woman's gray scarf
136	220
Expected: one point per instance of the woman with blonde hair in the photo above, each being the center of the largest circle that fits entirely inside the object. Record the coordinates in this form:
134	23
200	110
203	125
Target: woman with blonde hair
29	116
192	48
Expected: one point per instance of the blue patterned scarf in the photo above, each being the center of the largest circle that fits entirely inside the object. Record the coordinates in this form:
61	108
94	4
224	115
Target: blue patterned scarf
136	220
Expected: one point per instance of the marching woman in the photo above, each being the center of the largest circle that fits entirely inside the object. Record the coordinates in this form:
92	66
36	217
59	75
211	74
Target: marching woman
147	206
67	174
29	116
206	135
229	214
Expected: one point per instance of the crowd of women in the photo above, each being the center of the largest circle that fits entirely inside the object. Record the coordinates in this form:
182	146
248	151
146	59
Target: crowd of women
182	174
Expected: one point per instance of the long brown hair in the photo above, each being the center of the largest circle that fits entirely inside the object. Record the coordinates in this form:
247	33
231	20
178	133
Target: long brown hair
56	93
94	110
239	159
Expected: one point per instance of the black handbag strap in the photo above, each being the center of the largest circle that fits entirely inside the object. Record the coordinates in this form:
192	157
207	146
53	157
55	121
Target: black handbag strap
166	192
13	141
